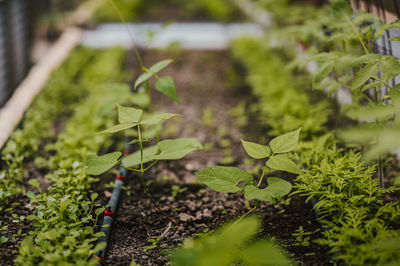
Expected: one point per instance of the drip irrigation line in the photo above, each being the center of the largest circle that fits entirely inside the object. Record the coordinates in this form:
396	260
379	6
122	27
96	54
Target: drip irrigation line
111	209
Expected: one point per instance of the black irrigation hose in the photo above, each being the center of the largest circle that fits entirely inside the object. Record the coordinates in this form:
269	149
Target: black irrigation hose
111	210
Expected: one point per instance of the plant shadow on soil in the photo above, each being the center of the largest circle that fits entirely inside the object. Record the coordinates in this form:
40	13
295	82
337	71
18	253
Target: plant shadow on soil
202	84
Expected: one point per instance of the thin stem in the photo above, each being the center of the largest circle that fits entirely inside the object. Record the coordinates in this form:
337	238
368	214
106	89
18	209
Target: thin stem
246	214
358	36
139	58
153	163
380	170
262	175
130	169
141	149
148	88
146	188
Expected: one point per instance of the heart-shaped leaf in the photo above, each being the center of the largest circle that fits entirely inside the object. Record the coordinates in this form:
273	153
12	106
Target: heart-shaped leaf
277	188
156	118
223	178
283	163
166	86
133	159
286	142
101	164
129	114
119	127
175	149
257	151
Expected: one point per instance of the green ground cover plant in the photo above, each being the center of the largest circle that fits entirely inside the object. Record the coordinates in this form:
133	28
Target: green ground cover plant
66	214
133	10
356	215
59	96
283	104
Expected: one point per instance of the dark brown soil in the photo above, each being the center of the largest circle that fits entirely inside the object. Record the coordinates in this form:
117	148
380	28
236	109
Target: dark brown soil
202	82
14	228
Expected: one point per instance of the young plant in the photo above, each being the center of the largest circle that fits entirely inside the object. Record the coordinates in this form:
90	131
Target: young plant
233	244
233	180
169	149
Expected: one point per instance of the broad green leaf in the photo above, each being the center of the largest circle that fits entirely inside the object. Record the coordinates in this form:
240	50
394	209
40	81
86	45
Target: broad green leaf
101	164
223	179
283	163
265	251
34	183
364	75
286	142
175	149
257	151
277	188
166	86
157	67
156	118
142	78
129	114
133	159
323	71
119	127
154	69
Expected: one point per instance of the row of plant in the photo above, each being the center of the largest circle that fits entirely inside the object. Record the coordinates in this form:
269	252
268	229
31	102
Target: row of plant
357	218
60	96
134	10
65	214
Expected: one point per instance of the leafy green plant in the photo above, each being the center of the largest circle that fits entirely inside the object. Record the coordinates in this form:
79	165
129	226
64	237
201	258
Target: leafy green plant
232	243
65	215
169	149
302	237
233	180
350	201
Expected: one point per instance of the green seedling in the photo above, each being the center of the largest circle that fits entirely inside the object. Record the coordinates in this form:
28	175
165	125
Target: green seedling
153	244
169	149
208	117
177	190
234	180
302	237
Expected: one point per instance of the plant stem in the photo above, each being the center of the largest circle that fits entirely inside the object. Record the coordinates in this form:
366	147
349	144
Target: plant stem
246	214
130	169
139	58
153	163
358	36
262	176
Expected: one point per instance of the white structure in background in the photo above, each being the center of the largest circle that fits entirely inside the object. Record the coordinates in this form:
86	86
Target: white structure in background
193	36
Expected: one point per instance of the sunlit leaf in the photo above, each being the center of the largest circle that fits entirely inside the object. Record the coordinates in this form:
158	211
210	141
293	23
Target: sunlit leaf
286	142
129	114
119	127
223	179
166	86
175	149
101	164
133	159
277	188
257	151
283	163
156	118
